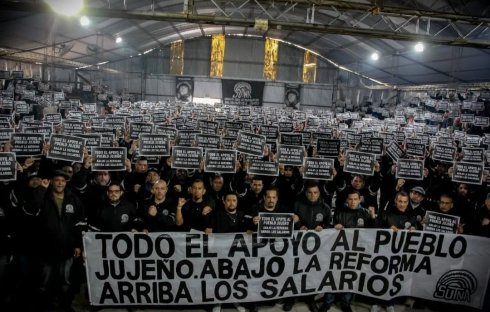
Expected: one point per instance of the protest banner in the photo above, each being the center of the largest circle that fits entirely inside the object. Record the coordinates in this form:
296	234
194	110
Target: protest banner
473	155
292	155
8	170
130	269
242	92
359	163
27	144
91	140
443	153
328	147
263	167
137	128
108	158
394	151
220	160
469	173
441	223
410	169
318	168
208	141
186	157
5	134
250	143
66	147
275	225
291	138
154	145
372	146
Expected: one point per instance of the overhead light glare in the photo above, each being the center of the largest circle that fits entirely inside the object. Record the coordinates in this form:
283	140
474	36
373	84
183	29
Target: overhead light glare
118	39
84	21
147	51
375	56
102	63
66	7
419	47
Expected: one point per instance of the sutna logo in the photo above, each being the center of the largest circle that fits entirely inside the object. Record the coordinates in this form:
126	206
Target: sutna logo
456	285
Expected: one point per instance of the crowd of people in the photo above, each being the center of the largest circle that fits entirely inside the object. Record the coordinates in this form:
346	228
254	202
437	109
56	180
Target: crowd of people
44	213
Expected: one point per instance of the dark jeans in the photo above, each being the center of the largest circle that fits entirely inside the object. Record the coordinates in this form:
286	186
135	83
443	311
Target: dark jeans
56	279
345	298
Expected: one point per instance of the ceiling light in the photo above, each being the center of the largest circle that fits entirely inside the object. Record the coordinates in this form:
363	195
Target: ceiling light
375	56
66	7
84	21
118	39
419	47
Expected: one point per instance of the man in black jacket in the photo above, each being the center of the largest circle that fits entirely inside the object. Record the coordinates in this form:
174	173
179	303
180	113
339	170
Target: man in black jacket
61	219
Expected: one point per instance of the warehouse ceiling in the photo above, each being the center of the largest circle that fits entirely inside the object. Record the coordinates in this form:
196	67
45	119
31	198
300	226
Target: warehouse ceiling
455	33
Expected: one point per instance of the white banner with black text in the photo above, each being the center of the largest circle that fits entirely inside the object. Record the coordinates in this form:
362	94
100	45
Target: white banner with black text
194	268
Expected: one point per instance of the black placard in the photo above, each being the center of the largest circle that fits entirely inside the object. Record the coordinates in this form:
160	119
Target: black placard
467	118
359	163
186	137
372	146
219	160
186	157
4	74
154	145
65	147
170	131
73	127
91	140
55	119
394	151
271	132
410	169
17	74
388	137
228	142
208	141
441	223
292	155
472	155
480	121
415	149
8	170
21	107
443	153
27	144
277	225
137	128
108	158
328	147
208	127
473	140
291	138
250	143
5	134
107	139
318	168
468	173
286	126
262	167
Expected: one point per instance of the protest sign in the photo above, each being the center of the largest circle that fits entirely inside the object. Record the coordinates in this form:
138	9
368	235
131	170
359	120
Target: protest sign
410	169
27	144
250	143
318	168
262	167
292	155
195	268
208	127
286	126
220	160
73	127
137	128
440	222
108	158
208	141
372	146
91	140
170	131
270	132
186	157
469	173
473	155
359	163
394	151
415	149
8	170
186	137
291	138
55	119
328	147
65	147
154	145
275	225
5	134
44	130
443	153
21	107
